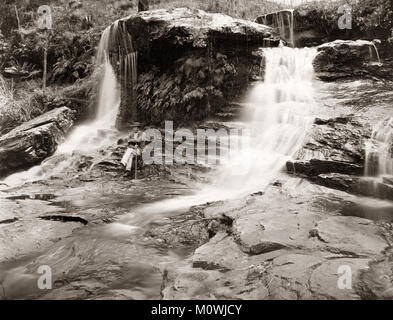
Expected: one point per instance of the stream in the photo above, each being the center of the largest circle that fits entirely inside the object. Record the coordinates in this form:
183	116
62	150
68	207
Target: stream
101	248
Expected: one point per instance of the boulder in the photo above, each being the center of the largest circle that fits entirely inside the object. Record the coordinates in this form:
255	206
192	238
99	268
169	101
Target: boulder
316	22
334	157
333	146
162	36
33	141
344	58
191	64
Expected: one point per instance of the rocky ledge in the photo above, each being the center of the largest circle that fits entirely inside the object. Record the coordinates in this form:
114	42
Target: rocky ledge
191	63
334	156
334	145
347	59
281	245
33	141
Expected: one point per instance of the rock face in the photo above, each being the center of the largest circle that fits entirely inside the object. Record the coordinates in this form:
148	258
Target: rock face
33	141
316	22
343	58
280	245
334	145
192	63
296	24
334	157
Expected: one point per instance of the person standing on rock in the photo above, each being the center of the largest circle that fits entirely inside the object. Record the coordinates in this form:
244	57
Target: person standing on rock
136	143
143	5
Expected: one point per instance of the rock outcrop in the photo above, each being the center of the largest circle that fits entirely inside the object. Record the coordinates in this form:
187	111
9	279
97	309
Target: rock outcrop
334	145
33	141
316	22
344	58
334	157
192	63
280	245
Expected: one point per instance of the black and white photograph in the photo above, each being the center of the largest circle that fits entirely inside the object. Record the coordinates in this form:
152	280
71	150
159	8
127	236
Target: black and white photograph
196	150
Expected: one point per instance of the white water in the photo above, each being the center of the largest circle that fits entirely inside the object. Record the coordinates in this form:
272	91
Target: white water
281	110
379	161
374	48
92	135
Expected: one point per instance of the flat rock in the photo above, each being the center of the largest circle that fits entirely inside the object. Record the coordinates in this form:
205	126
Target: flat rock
351	235
186	27
289	275
214	255
197	284
324	281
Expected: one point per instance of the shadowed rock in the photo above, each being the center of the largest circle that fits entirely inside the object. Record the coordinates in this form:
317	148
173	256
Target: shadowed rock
192	64
334	146
344	58
33	141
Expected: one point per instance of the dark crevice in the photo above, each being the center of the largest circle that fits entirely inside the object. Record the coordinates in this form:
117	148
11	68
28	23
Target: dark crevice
65	219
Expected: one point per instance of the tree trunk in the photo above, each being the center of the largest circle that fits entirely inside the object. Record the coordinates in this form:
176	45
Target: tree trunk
45	62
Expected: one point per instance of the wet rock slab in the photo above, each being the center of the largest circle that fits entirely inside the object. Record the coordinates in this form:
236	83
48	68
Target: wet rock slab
287	248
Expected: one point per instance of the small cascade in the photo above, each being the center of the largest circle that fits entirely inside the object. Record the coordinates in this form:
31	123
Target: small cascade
374	49
116	65
379	150
128	75
279	112
284	22
379	162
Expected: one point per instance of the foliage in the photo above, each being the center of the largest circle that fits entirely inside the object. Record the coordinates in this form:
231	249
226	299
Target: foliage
16	108
199	87
72	43
370	18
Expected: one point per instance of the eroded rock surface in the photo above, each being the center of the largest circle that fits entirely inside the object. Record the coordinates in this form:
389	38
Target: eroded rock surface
333	146
33	141
192	64
290	248
345	59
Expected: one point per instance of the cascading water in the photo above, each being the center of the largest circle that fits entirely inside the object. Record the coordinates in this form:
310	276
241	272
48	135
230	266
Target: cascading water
280	110
379	150
115	45
373	48
284	22
379	161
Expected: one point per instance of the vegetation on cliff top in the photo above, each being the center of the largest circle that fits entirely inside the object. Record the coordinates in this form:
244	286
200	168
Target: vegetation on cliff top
76	31
370	18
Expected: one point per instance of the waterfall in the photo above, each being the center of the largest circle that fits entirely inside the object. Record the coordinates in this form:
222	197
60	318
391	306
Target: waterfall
379	150
284	22
115	48
373	47
108	103
278	112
